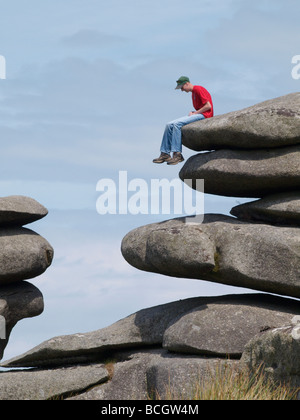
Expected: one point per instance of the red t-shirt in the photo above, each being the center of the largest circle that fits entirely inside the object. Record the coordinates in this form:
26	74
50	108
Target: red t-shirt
200	96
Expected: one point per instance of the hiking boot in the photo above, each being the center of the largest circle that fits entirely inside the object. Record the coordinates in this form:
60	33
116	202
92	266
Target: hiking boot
177	157
164	157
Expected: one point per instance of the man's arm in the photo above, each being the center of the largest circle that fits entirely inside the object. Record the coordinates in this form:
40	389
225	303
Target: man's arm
205	108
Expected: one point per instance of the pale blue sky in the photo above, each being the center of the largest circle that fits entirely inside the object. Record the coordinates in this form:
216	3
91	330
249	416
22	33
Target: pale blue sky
89	88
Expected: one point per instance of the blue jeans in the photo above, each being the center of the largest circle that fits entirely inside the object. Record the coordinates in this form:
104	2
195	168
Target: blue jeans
171	141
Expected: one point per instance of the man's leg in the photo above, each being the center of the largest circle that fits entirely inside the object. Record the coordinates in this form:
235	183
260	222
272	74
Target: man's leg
171	141
165	145
176	145
167	139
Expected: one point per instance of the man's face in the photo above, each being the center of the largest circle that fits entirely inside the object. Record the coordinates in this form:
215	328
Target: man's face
185	87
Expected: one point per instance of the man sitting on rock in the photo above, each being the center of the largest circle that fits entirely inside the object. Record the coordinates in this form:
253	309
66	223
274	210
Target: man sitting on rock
171	141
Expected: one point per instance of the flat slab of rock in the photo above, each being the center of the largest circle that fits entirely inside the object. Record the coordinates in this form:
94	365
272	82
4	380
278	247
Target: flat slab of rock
273	123
133	375
24	254
45	384
246	173
17	301
224	327
222	249
17	210
195	318
143	328
281	209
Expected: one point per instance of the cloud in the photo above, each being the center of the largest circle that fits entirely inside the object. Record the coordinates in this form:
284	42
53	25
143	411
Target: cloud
76	119
86	119
252	51
256	35
59	194
89	38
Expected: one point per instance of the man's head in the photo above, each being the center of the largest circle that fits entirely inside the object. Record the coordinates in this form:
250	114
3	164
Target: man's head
184	84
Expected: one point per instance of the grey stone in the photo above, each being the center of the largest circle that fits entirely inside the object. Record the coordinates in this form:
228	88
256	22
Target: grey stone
17	301
129	377
224	327
154	373
277	352
175	376
24	254
153	326
281	209
53	383
222	249
208	326
273	123
20	210
144	328
246	173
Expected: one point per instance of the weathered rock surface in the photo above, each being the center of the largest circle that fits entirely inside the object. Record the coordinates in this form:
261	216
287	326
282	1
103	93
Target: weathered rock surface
144	328
17	301
20	210
246	173
45	384
273	123
129	377
154	373
175	375
24	254
127	361
228	315
278	351
222	249
224	327
279	209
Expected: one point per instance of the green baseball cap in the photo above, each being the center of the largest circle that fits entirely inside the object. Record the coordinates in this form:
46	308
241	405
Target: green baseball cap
182	81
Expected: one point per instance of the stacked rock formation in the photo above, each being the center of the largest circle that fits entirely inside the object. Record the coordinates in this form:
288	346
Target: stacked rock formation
166	349
260	249
23	255
250	153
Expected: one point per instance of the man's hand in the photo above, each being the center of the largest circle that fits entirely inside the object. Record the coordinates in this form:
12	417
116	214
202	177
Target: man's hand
206	107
